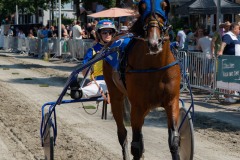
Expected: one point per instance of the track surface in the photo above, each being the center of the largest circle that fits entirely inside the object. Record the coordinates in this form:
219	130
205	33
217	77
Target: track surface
87	137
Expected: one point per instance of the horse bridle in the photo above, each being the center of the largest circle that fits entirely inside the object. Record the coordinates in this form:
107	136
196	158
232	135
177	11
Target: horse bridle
154	22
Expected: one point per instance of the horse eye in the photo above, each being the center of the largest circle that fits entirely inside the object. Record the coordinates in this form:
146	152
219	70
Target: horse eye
164	5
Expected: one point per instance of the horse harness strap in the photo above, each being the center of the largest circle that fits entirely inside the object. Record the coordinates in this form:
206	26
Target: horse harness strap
153	70
124	59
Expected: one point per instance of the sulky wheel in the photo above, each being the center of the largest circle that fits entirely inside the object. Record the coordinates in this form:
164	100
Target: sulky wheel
186	144
48	139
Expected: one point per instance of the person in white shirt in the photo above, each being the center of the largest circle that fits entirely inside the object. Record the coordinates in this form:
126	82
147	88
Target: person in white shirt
21	34
204	44
77	31
76	36
181	36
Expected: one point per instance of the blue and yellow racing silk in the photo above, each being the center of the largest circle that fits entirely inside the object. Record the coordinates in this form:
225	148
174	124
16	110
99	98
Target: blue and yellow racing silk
97	67
113	59
122	43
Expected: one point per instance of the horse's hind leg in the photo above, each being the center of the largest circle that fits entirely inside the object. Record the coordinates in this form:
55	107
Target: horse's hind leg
173	135
137	120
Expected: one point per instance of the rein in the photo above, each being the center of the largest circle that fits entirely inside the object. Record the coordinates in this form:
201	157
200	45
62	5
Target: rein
153	70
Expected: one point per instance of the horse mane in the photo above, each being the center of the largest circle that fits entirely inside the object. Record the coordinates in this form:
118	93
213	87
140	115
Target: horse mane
137	28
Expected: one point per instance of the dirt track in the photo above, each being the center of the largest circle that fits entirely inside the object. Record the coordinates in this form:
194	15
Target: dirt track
83	136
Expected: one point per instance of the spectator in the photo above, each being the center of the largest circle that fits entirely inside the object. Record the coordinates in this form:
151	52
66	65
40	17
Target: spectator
10	31
44	37
226	27
190	41
64	32
30	33
39	32
216	41
198	34
15	32
230	46
171	33
204	44
124	29
44	33
105	31
71	30
51	32
77	35
95	22
21	34
181	36
77	31
91	31
84	33
68	29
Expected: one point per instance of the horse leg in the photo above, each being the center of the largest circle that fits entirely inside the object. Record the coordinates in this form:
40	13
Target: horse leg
117	98
137	120
118	111
173	135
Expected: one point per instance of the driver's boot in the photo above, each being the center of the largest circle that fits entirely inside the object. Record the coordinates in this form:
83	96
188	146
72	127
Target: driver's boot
75	92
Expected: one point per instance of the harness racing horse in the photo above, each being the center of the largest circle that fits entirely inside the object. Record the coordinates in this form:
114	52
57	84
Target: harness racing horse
151	78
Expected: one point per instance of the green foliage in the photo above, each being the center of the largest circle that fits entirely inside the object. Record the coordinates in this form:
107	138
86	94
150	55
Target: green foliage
177	24
88	4
8	7
108	3
67	21
105	3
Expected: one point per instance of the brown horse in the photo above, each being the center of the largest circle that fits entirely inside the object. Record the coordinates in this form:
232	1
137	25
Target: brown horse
150	81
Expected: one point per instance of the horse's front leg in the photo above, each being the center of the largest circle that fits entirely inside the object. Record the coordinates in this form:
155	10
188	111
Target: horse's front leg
116	98
137	120
173	135
118	110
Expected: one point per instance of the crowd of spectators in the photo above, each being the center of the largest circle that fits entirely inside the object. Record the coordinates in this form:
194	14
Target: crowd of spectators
47	31
224	40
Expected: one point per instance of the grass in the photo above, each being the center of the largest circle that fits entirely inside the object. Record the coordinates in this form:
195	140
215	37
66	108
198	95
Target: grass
89	107
43	85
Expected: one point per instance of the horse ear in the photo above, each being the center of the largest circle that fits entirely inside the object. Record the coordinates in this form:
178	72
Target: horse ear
165	6
141	7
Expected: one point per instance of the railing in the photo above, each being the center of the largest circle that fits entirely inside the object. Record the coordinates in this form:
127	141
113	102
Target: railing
37	47
204	72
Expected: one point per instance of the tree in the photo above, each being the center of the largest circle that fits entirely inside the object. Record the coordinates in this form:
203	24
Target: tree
108	3
77	3
105	3
8	7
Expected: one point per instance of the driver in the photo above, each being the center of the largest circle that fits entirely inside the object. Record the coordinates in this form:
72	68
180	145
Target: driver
105	30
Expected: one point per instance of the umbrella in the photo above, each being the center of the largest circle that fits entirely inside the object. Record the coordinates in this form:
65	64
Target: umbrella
113	13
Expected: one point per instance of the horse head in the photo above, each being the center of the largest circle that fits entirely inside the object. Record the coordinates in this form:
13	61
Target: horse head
154	16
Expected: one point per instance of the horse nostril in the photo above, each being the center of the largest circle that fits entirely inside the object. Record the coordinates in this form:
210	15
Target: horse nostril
153	43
